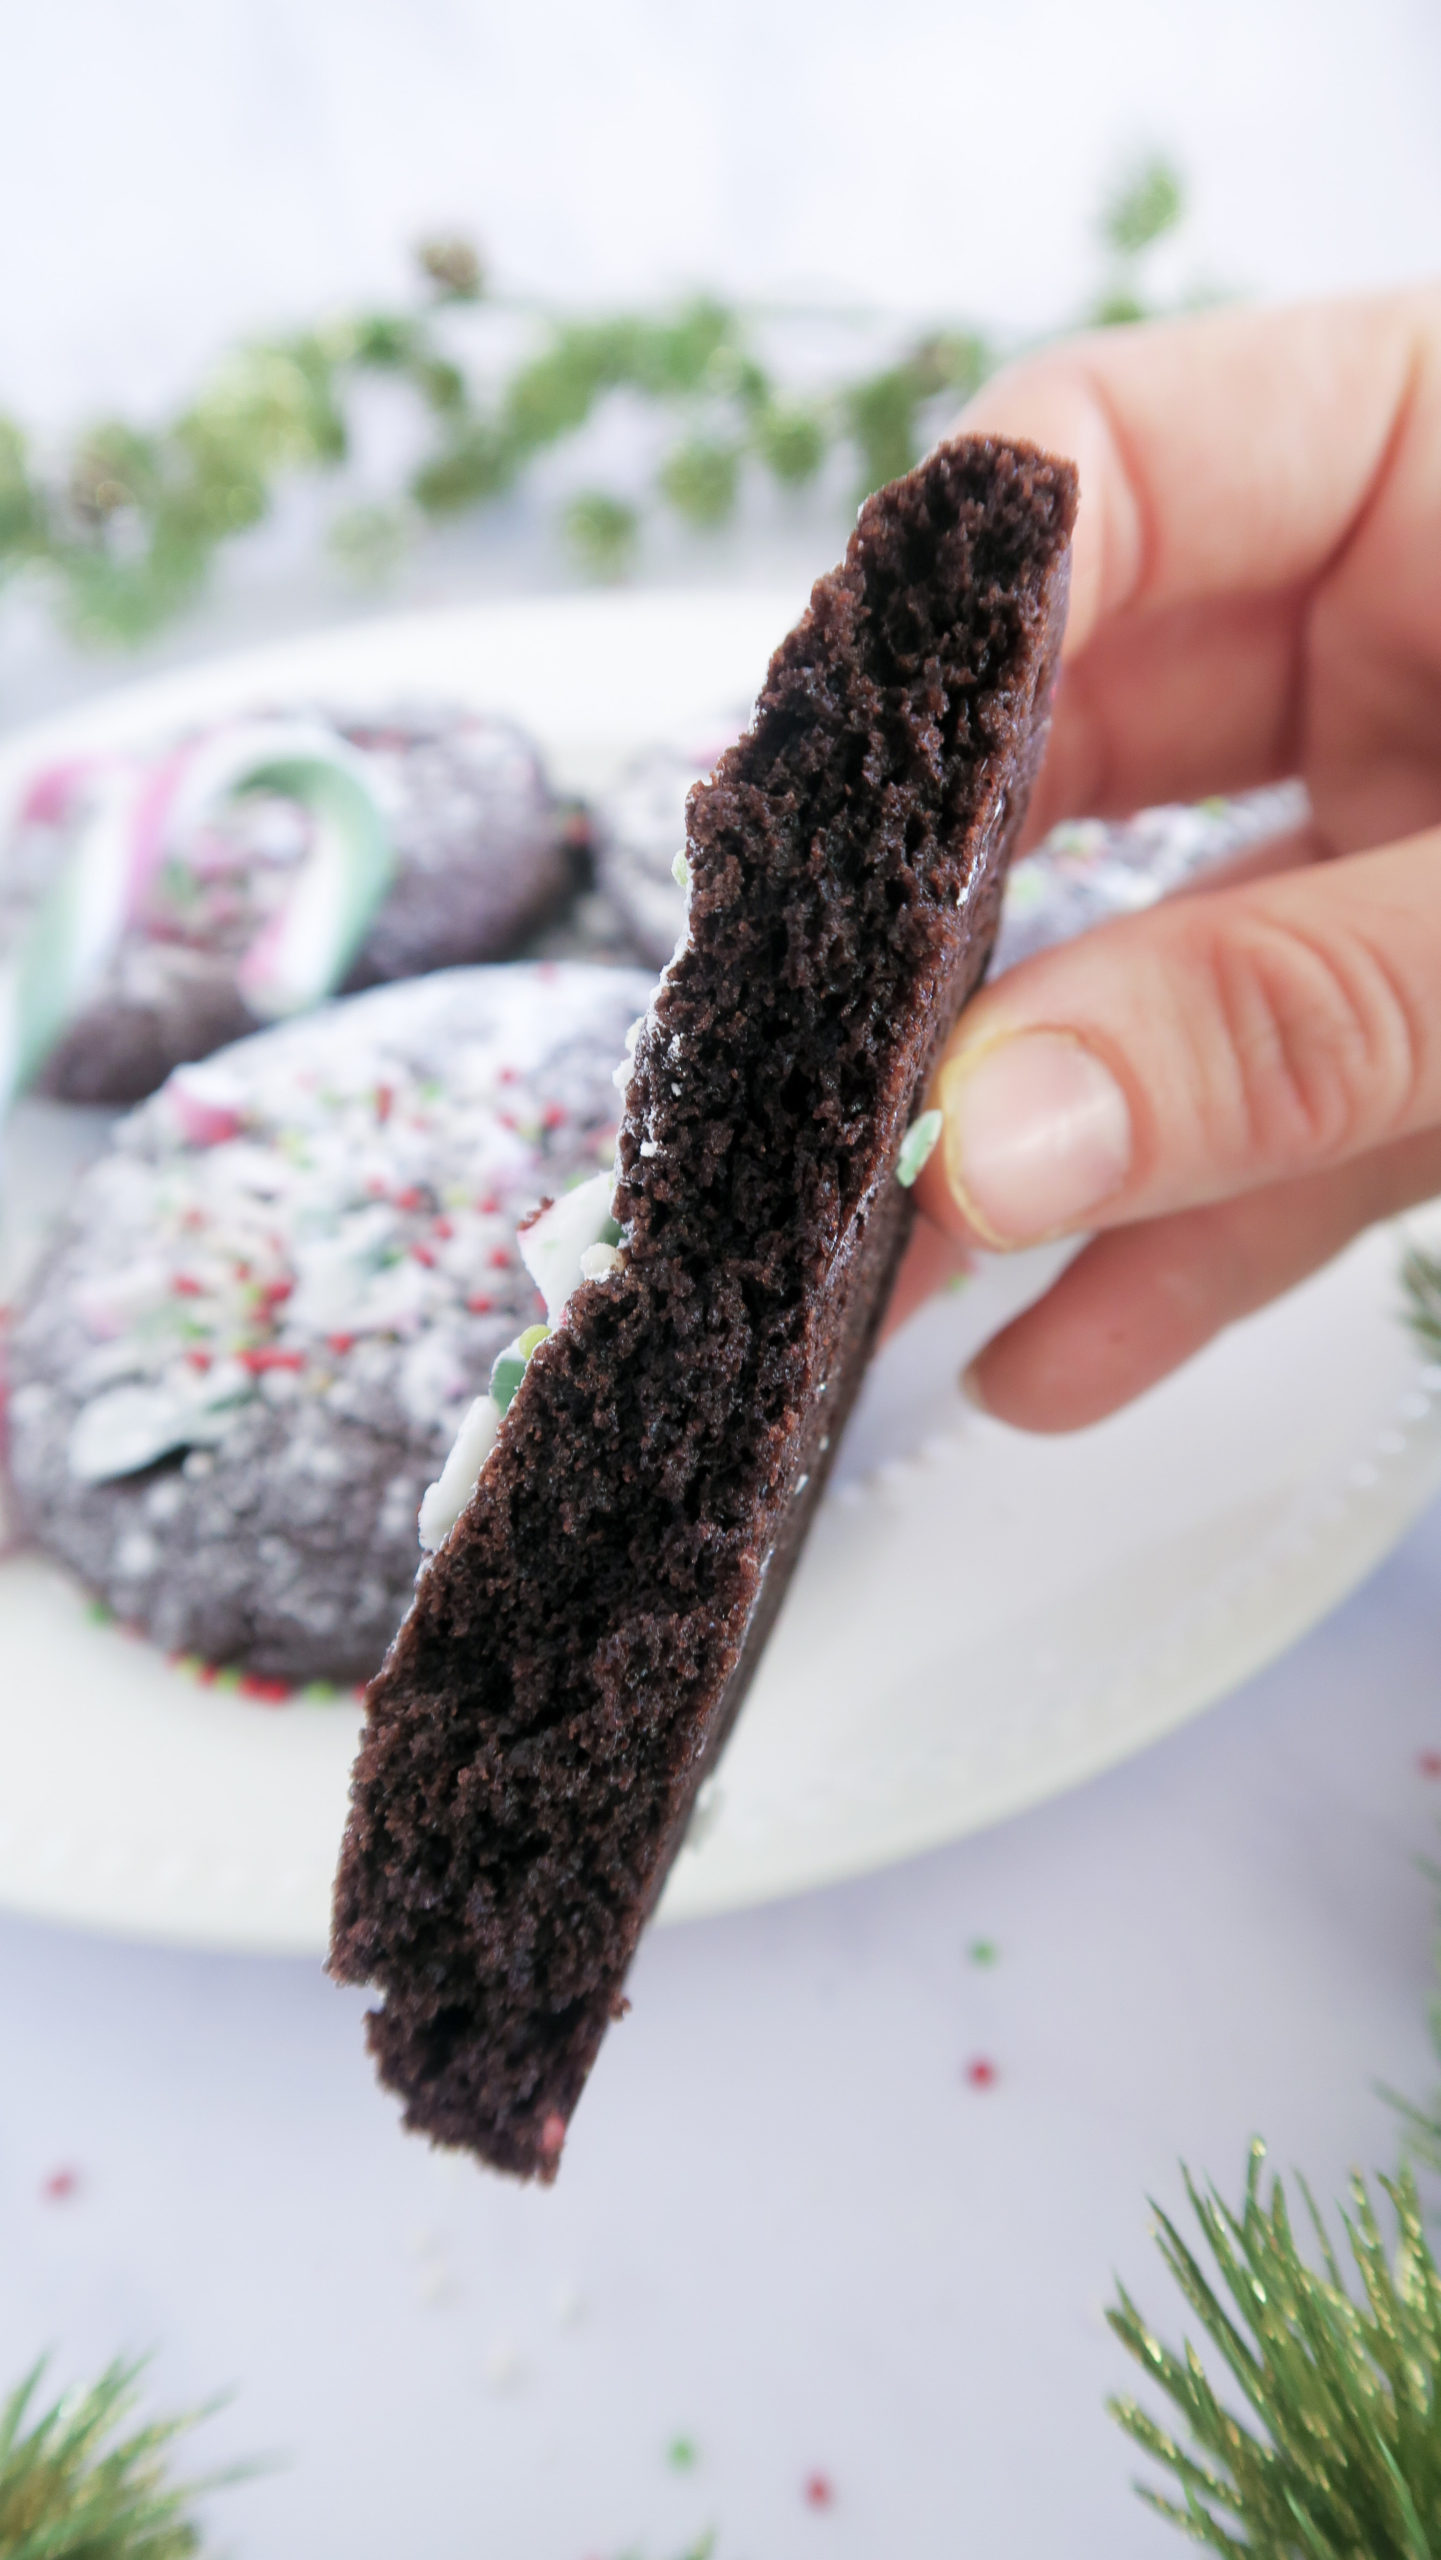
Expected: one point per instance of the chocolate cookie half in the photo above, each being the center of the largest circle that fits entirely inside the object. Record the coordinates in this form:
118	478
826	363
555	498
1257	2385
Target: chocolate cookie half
580	1643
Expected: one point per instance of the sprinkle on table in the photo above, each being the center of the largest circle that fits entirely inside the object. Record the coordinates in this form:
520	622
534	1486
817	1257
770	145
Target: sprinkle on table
981	2073
1429	1763
819	2489
983	1951
60	2186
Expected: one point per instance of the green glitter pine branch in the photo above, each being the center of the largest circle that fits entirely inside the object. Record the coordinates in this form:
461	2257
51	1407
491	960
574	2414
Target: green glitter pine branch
123	528
75	2486
1345	2462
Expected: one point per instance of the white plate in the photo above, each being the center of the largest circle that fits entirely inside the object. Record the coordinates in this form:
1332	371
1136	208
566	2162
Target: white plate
979	1620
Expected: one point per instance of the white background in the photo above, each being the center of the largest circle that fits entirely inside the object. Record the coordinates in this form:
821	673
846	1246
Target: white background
786	2225
177	169
177	173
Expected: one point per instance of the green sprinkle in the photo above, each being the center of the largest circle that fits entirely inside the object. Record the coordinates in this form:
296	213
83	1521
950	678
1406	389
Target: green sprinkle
99	1613
319	1693
680	872
229	1678
682	2454
505	1377
957	1281
510	1365
916	1147
983	1951
1214	808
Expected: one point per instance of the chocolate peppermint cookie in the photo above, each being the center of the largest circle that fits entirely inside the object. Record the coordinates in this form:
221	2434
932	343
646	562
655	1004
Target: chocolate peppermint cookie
279	1294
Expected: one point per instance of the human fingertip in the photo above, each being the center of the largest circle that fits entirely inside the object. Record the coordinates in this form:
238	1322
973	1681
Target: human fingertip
1036	1135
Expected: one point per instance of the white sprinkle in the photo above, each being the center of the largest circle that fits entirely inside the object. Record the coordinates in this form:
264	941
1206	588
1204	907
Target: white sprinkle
650	1147
444	1501
554	1246
917	1147
598	1261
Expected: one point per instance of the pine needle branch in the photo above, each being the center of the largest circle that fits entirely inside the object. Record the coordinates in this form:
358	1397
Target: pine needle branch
1421	1282
76	2485
121	528
1344	2460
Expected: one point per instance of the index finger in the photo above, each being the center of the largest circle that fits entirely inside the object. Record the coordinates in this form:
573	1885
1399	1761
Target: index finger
1228	465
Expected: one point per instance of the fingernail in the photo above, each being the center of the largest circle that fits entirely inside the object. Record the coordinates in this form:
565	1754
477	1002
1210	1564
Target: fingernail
1037	1135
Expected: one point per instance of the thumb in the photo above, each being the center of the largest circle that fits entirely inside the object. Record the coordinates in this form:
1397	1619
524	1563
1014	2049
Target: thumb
1231	1039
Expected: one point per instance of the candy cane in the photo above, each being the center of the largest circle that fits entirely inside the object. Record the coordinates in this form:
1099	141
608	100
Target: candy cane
139	813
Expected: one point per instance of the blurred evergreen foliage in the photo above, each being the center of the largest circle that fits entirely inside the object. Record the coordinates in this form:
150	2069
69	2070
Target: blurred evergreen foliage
121	528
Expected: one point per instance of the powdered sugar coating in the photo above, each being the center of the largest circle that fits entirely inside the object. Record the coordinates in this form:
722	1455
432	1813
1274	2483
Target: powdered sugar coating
279	1294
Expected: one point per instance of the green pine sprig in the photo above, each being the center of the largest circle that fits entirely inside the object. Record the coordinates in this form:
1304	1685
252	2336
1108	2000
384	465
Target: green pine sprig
121	529
1421	1280
1343	2460
77	2483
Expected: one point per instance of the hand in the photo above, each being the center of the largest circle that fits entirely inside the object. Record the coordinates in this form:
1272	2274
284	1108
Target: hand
1225	1089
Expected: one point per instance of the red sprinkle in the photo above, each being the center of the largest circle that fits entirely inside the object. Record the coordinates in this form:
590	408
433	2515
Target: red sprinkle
982	2074
184	1287
506	1076
819	2490
552	1117
340	1343
60	2186
268	1693
1429	1763
498	1257
410	1198
423	1254
479	1305
488	1204
443	1229
384	1097
198	1359
276	1292
264	1357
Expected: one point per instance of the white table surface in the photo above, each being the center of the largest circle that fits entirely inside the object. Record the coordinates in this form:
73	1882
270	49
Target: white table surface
787	2228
